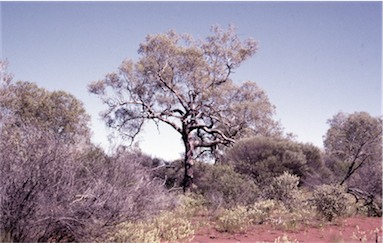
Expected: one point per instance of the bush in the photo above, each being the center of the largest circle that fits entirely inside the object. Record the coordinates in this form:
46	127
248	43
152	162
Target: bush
191	204
168	226
173	227
284	188
54	190
144	232
263	158
260	211
330	201
233	220
223	187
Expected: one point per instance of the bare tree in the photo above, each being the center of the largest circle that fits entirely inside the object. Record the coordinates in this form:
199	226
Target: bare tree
187	85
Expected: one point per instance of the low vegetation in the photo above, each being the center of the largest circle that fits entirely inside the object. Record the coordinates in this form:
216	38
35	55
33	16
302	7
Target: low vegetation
239	169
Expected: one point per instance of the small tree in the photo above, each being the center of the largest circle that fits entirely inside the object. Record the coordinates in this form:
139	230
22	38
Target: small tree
187	85
57	111
354	141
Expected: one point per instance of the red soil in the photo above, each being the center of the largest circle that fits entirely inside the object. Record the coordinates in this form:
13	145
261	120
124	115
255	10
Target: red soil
342	231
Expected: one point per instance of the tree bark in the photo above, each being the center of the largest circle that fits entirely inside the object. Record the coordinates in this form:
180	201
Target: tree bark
188	164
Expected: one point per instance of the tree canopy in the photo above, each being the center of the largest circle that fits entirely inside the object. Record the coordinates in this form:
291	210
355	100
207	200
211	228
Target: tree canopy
354	140
187	84
61	113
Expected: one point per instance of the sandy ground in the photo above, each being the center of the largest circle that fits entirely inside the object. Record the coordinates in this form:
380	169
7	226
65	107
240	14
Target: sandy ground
342	231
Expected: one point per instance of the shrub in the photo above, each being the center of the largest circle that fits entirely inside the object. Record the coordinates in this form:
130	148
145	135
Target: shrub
168	226
287	219
223	187
233	220
144	232
263	158
284	188
173	227
54	190
260	211
330	201
191	204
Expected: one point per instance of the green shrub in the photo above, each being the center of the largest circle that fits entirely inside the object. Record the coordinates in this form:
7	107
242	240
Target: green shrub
263	158
330	201
260	211
191	204
168	226
144	232
233	220
284	188
173	227
221	186
287	219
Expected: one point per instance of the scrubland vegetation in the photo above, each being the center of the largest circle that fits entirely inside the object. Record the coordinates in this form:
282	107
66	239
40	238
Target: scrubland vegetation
239	169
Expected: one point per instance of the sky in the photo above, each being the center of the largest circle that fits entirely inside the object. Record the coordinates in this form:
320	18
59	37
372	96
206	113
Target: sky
315	59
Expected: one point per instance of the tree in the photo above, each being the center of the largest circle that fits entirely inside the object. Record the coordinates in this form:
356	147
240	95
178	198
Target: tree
353	141
57	111
186	84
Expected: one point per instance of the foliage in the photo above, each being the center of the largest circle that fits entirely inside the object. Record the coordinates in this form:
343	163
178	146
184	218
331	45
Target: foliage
191	204
284	188
317	172
264	158
233	220
167	226
239	218
290	219
353	146
330	201
173	227
187	84
52	187
354	141
171	174
57	111
143	232
221	186
260	211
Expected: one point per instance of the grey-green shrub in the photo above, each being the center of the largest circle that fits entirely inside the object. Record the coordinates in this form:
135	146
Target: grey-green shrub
260	211
221	186
263	158
284	188
233	220
330	201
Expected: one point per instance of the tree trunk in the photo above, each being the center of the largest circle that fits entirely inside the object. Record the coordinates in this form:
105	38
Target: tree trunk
188	164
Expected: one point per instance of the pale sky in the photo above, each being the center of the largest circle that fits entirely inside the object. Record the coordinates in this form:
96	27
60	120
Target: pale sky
315	59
